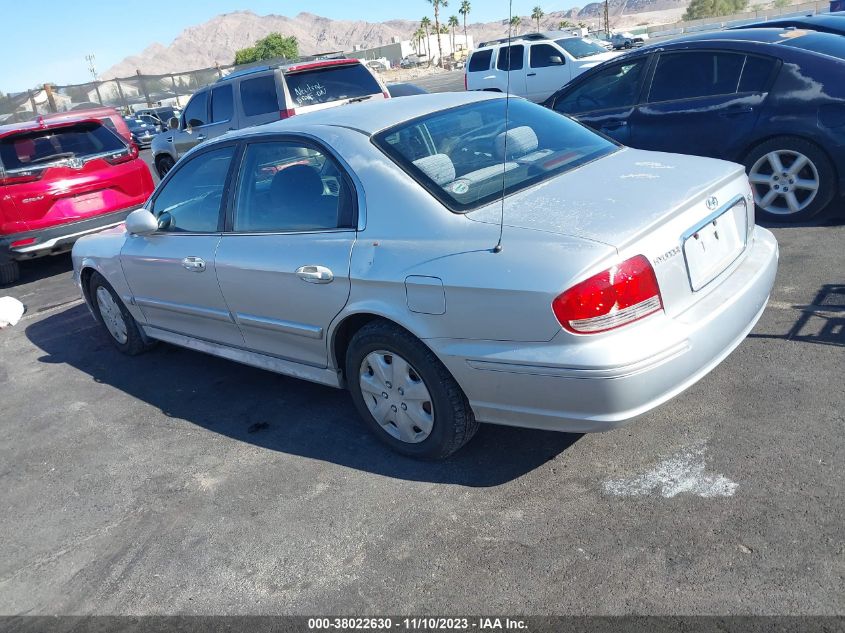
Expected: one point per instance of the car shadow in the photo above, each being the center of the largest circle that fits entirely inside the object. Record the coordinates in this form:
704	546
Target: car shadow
834	217
821	322
276	412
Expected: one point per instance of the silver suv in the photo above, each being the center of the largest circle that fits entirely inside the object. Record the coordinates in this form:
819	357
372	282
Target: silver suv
261	95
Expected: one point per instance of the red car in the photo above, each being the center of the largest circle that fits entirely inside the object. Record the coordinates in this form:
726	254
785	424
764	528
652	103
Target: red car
60	180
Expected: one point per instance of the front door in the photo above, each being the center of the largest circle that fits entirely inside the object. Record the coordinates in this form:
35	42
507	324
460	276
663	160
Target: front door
192	125
171	272
284	265
547	72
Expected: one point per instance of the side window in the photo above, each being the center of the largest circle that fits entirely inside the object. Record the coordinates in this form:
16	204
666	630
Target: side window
480	60
258	95
190	200
289	186
691	75
510	57
544	55
196	114
222	104
615	87
756	73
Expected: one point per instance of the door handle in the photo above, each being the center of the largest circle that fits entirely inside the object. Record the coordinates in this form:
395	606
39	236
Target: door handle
200	138
531	75
614	125
194	264
315	274
731	112
169	139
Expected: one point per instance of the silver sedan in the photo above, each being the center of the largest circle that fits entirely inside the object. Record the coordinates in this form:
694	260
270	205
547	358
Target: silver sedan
450	259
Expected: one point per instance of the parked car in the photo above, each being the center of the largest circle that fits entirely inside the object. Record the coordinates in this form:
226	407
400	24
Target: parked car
826	23
260	95
360	247
161	114
771	99
627	40
141	131
60	180
532	66
149	120
107	116
405	90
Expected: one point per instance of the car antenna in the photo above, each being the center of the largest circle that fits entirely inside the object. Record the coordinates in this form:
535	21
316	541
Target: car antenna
498	247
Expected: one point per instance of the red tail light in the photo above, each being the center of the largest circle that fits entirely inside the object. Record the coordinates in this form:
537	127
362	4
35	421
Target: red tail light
386	94
131	153
612	298
24	242
284	114
21	177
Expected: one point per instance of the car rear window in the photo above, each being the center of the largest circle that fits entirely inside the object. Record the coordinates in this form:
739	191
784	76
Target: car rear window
824	43
480	60
42	147
465	156
331	83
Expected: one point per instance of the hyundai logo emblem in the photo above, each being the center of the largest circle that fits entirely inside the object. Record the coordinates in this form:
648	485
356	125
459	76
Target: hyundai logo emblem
712	203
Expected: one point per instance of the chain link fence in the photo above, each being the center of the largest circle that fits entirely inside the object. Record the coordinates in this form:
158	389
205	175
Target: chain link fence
125	93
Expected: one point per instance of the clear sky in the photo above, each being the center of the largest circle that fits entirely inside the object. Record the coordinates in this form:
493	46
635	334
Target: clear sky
47	40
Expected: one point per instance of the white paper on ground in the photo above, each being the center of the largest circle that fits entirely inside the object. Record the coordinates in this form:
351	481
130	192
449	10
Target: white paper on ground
11	311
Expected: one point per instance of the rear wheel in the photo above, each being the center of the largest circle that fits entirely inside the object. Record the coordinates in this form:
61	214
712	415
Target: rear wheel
793	180
10	272
405	394
164	164
114	317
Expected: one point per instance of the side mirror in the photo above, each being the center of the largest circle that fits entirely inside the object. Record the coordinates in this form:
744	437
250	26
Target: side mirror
164	221
173	123
141	222
556	59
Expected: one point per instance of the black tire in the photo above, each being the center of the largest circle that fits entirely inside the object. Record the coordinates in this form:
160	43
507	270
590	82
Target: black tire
164	163
134	343
818	161
10	272
454	422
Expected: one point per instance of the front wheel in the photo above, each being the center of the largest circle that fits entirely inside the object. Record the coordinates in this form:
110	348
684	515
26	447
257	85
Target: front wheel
793	180
405	394
114	317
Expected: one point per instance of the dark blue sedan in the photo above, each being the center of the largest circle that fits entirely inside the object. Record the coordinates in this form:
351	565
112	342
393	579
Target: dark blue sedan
772	99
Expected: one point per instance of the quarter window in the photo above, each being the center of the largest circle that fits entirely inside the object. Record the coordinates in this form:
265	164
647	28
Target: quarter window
480	60
691	75
545	55
510	57
289	186
222	104
196	114
615	87
258	95
190	200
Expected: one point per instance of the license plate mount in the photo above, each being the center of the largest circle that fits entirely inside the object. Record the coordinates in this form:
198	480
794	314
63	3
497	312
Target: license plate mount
715	244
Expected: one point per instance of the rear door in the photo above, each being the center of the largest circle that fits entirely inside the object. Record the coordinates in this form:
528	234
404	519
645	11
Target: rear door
326	84
283	266
547	71
700	102
510	65
606	100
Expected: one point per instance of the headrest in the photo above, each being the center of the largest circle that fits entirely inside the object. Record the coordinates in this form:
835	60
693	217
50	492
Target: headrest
521	141
438	167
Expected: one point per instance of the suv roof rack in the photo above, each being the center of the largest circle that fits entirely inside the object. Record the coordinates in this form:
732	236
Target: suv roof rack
281	63
530	37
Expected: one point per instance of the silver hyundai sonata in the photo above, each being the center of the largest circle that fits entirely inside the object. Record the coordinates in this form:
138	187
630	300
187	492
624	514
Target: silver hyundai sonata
451	259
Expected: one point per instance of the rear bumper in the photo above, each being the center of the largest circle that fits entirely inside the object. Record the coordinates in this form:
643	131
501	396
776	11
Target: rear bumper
56	239
564	387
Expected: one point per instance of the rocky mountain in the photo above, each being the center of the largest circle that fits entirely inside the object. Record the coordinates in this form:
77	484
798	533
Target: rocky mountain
215	41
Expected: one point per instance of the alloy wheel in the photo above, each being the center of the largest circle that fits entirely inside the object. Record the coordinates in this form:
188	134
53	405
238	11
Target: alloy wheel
784	182
112	316
396	396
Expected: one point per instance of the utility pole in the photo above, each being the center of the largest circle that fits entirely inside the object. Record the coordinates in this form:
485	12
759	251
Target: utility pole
606	19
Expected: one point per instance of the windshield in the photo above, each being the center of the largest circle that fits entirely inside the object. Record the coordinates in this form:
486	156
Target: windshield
331	83
464	155
42	147
579	47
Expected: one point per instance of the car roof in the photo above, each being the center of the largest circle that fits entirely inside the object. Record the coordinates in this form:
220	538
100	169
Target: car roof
371	116
775	35
822	19
73	115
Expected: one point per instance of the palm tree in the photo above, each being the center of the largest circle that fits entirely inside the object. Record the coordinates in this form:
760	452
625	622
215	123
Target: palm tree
515	22
419	34
537	14
453	23
425	23
437	4
464	11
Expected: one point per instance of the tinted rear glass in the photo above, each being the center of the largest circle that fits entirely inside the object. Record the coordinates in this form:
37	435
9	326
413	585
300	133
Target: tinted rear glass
222	104
480	60
825	43
464	156
332	83
258	96
42	147
693	75
756	73
510	57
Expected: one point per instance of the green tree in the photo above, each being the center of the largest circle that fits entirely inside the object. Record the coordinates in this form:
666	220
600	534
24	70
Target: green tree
537	15
437	4
515	22
271	47
564	24
464	11
425	23
419	34
698	9
780	4
453	24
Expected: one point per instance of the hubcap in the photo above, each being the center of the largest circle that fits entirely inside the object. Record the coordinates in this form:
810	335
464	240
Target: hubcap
396	396
784	182
112	316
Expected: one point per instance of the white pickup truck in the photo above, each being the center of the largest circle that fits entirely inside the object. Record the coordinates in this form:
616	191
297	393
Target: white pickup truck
539	64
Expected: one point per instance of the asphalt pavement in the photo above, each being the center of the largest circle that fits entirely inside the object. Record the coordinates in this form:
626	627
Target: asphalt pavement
175	482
